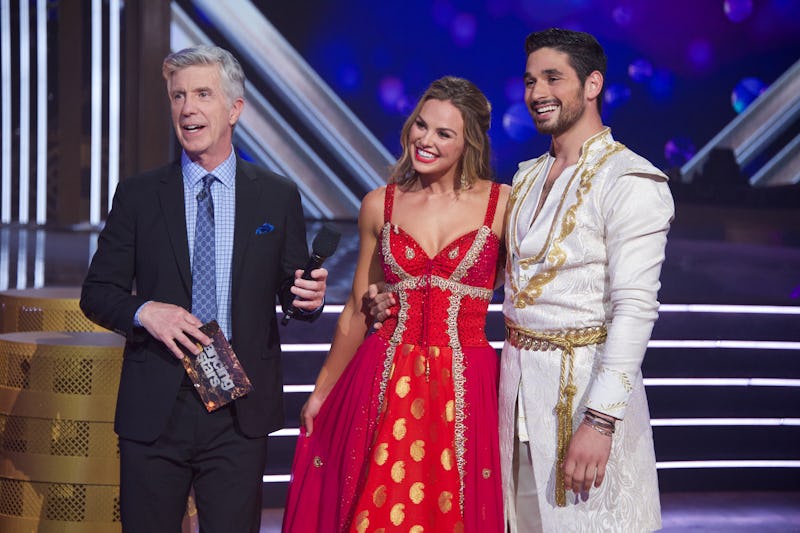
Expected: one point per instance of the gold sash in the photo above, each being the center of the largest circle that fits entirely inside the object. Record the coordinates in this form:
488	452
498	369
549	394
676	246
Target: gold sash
566	341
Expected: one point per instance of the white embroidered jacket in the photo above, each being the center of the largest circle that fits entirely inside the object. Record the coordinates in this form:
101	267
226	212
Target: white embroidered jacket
593	257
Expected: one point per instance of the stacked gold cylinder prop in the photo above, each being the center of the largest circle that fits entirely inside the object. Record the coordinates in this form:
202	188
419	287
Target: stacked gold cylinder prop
44	309
59	467
59	461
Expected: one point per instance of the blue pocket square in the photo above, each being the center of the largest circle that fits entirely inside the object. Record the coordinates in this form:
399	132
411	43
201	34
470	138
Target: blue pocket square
266	227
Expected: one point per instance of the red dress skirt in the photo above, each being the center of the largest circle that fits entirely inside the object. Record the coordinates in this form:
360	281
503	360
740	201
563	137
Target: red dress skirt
407	440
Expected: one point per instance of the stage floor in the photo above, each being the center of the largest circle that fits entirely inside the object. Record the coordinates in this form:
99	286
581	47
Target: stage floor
714	512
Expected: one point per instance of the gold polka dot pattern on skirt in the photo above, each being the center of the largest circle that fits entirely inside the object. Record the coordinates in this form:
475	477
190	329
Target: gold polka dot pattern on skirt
447	459
379	496
418	408
398	471
402	388
381	453
399	429
418	450
397	515
417	492
413	483
446	501
362	521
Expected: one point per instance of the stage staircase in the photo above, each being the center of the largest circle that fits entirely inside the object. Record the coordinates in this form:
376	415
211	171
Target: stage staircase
723	383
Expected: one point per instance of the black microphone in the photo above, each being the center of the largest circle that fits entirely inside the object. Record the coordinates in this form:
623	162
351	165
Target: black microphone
323	247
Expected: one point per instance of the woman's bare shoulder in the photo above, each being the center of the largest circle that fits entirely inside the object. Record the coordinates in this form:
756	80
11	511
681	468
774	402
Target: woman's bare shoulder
372	207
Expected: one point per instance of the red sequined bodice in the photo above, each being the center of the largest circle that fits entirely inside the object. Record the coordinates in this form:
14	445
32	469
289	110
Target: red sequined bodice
442	300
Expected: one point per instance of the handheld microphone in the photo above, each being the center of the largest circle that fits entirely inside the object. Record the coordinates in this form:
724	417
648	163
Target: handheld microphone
323	247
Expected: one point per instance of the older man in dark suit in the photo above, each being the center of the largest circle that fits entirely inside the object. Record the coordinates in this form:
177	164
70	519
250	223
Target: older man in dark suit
208	237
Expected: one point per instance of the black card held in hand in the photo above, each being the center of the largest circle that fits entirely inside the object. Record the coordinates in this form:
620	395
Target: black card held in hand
216	373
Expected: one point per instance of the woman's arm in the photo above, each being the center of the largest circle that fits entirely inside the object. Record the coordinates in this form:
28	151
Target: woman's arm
355	320
499	227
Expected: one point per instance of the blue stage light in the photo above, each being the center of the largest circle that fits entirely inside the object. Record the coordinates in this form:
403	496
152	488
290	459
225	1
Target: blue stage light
640	70
464	29
517	123
738	10
616	94
390	92
661	84
348	77
745	92
514	89
622	15
700	53
679	150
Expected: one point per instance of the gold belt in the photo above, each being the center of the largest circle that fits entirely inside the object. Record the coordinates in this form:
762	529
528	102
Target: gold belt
566	341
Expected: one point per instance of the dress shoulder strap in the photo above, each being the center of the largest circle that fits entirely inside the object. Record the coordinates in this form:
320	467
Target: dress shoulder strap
388	202
492	207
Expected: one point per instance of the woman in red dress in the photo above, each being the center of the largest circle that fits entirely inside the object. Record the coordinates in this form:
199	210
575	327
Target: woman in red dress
400	433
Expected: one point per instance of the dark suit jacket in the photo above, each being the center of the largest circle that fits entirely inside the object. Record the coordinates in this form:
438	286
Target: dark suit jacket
144	242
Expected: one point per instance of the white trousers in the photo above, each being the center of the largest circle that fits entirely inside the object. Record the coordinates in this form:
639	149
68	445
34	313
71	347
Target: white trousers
526	497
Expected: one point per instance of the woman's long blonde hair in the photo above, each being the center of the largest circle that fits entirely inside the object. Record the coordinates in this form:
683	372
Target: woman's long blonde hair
476	112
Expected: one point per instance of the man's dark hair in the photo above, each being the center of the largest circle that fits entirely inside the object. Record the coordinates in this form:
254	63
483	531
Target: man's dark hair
584	52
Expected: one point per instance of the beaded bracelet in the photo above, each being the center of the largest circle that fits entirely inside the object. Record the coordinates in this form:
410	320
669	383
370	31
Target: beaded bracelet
600	428
602	420
598	423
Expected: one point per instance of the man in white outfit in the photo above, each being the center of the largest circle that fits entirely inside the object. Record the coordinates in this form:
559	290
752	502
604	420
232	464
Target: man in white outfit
587	227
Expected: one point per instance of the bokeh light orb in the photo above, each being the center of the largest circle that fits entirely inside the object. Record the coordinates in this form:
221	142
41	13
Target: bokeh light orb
341	64
738	10
514	89
661	84
517	123
700	53
404	105
616	94
640	70
463	29
622	15
348	77
795	292
745	92
390	92
678	151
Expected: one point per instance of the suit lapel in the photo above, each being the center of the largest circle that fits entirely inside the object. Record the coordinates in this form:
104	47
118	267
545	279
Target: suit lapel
248	200
170	197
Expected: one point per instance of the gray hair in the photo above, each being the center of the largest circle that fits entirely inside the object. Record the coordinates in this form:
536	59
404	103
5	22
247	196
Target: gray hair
231	72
